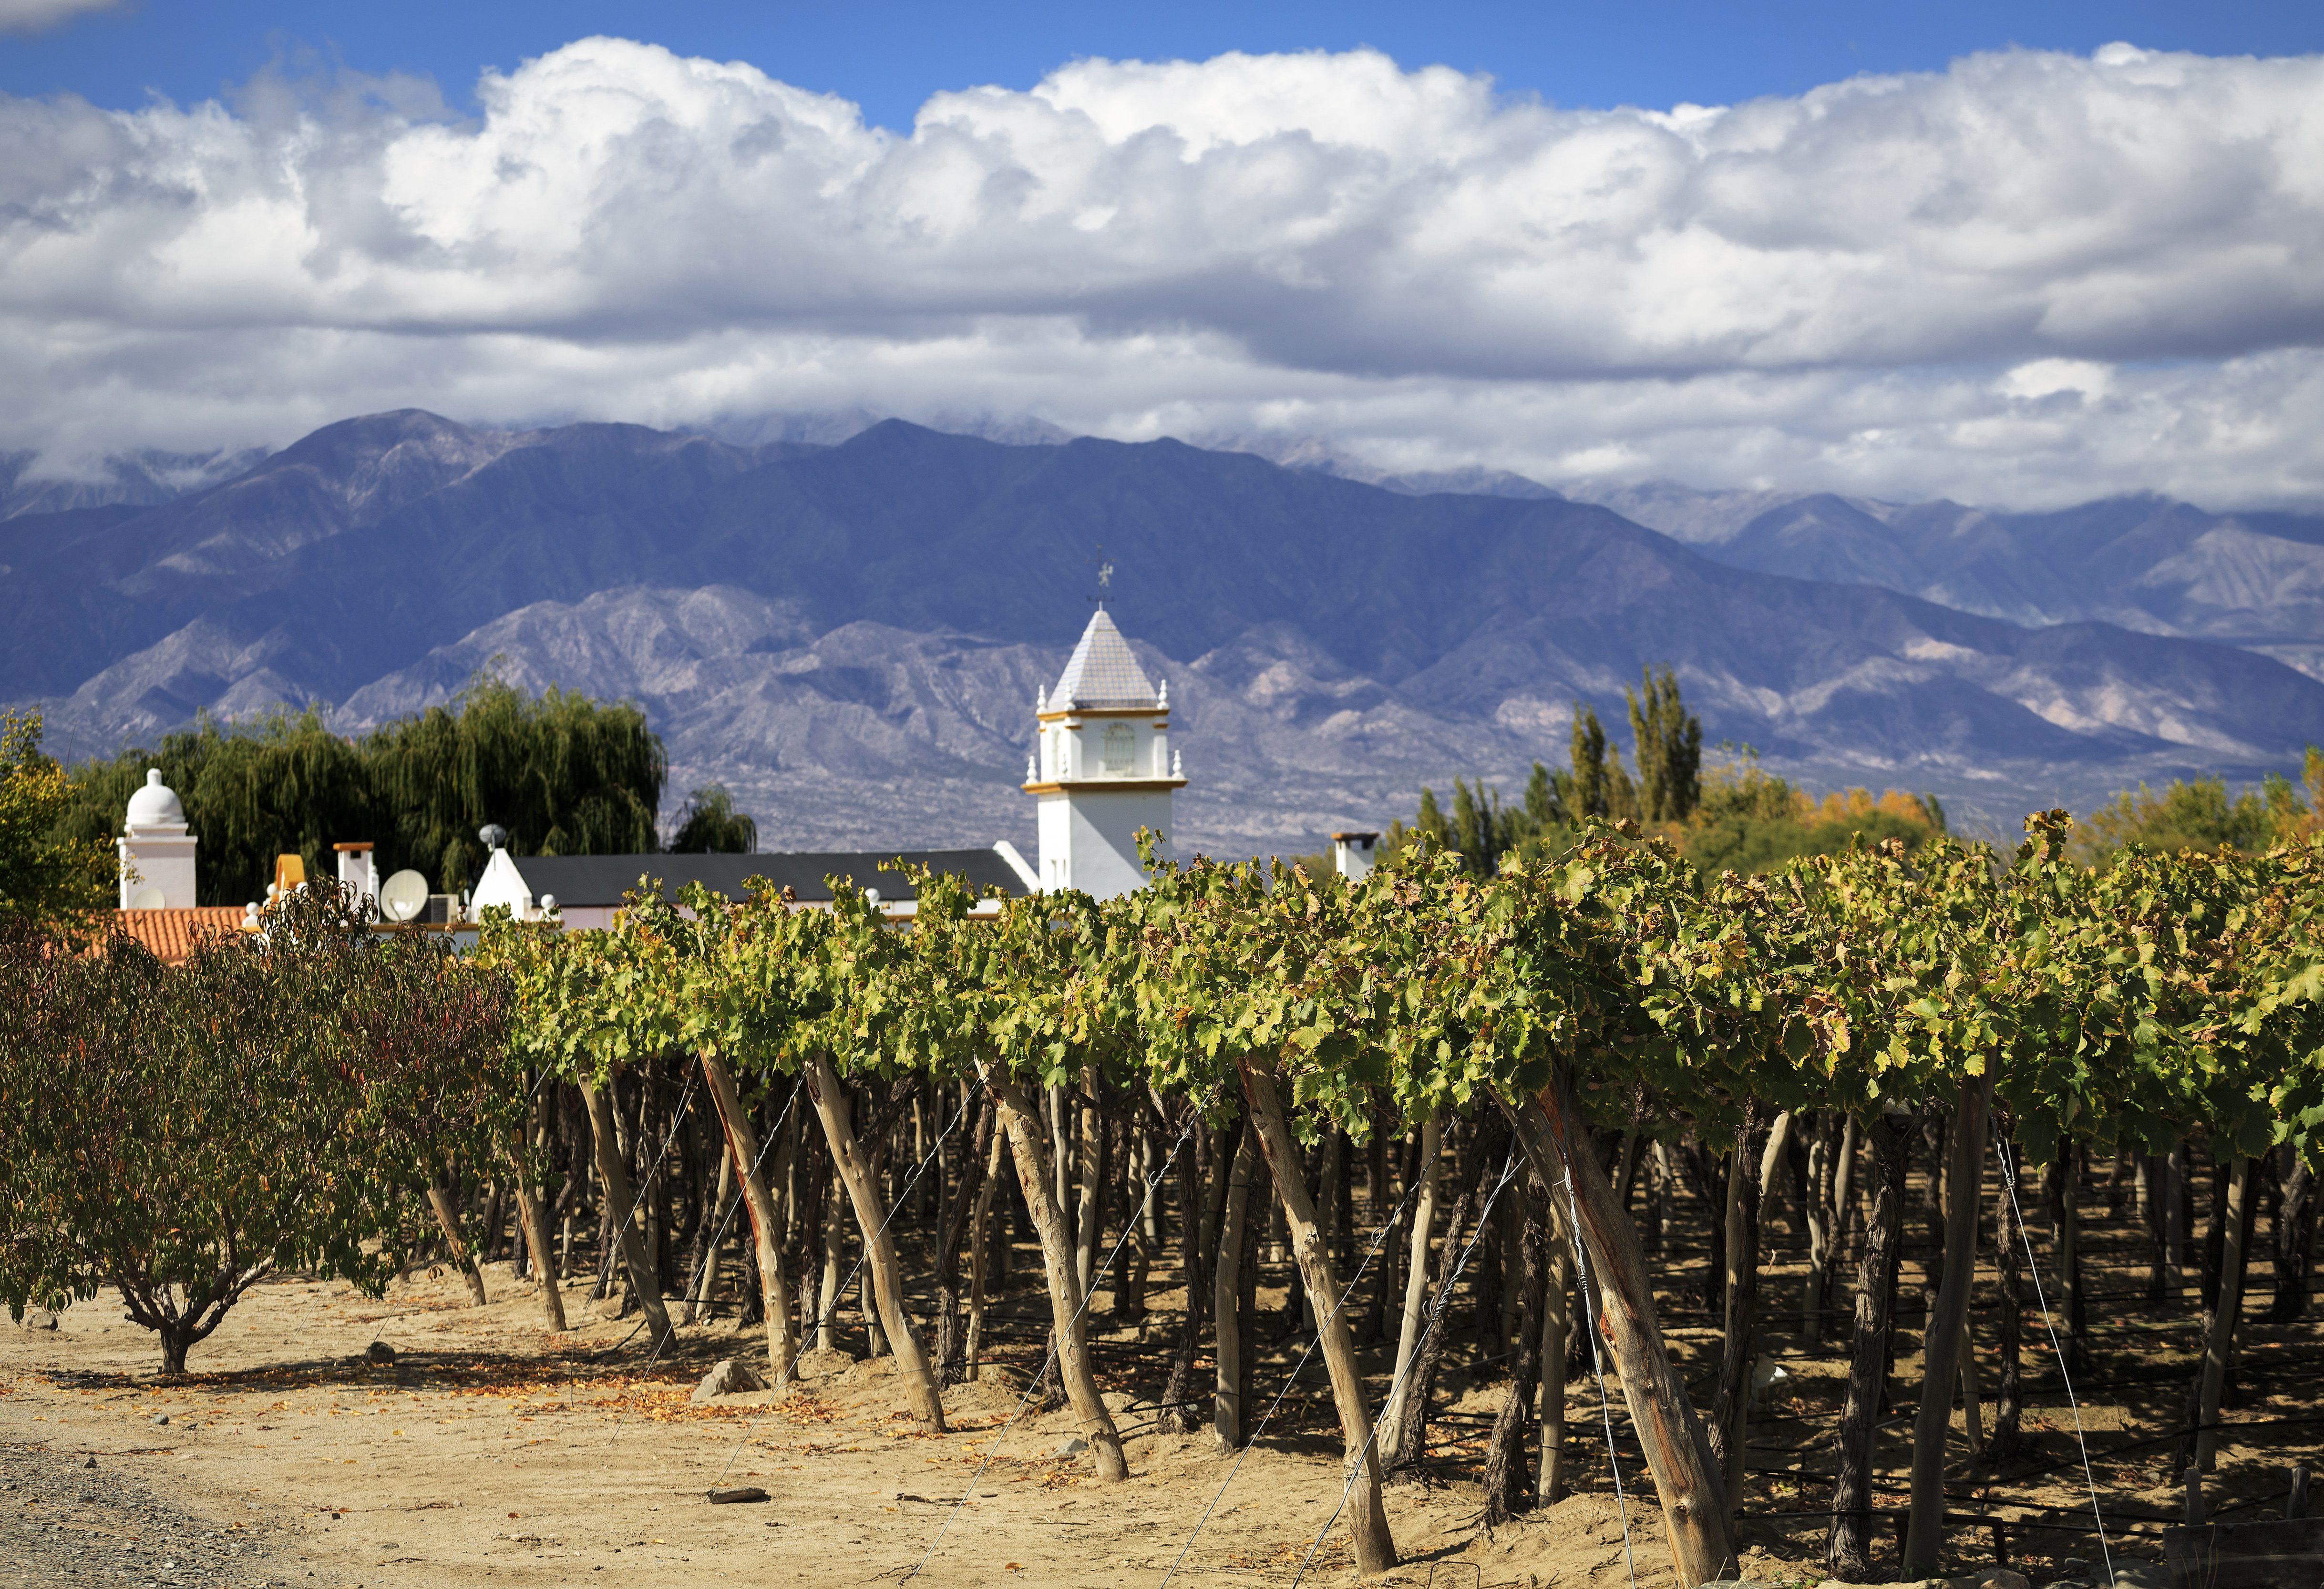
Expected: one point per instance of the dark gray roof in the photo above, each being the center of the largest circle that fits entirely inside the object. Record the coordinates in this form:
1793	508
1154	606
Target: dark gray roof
1102	672
579	880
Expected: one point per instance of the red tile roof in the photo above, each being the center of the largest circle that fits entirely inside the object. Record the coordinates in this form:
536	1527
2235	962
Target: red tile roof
171	935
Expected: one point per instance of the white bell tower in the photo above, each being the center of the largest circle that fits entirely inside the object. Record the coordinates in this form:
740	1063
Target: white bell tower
1101	767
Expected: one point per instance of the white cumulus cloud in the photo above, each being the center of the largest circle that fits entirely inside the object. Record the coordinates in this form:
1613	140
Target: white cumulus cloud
27	16
2030	278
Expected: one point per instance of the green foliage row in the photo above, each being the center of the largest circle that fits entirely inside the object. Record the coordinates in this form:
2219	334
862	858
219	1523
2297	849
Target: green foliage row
2168	994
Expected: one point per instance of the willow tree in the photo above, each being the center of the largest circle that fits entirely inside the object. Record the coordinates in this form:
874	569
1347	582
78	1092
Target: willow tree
563	773
282	784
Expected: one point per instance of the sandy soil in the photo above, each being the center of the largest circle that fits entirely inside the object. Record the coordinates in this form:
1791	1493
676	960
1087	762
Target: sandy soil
491	1452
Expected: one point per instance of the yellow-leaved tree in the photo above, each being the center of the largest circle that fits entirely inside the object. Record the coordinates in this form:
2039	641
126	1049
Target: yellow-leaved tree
43	877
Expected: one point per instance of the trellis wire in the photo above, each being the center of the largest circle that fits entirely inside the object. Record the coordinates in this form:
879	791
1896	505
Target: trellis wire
1290	1379
1597	1367
895	1206
1055	1345
710	1251
645	1184
2090	1477
1444	1298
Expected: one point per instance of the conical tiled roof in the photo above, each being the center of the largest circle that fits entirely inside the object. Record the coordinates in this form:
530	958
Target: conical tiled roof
1103	673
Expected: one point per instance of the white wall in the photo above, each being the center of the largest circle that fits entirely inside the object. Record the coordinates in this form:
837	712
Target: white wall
1093	834
162	862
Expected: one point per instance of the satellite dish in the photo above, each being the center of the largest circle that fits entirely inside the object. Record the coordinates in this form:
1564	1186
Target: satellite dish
148	899
403	896
493	835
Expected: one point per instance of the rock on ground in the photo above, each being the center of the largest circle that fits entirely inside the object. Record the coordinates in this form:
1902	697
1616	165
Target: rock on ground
730	1376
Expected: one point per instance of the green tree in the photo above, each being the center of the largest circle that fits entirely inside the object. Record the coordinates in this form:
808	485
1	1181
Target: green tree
1599	785
44	876
1669	748
1589	788
179	1133
1430	823
2200	815
710	825
1544	807
283	785
1482	833
563	773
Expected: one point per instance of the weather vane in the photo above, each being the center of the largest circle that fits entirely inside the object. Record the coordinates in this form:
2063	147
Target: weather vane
1104	574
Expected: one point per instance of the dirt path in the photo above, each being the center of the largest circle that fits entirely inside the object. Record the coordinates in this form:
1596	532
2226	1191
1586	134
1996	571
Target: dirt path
72	1519
489	1452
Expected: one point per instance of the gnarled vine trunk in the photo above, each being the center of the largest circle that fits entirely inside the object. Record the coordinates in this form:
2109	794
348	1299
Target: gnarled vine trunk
1021	1118
1941	1342
743	1152
620	1207
1556	1139
1850	1551
1367	1515
832	1106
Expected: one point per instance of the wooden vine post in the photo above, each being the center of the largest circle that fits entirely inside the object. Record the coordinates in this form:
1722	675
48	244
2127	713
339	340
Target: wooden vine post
1678	1451
1367	1516
831	1106
1943	1342
1415	1284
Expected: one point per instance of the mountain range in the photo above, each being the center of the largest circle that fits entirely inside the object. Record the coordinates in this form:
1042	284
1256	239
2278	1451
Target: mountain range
849	633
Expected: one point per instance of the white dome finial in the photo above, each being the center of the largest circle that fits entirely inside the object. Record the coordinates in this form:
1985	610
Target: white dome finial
1041	698
1163	700
155	805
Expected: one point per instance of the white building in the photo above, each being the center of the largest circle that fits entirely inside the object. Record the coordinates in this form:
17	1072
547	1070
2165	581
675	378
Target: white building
1353	854
157	853
1101	767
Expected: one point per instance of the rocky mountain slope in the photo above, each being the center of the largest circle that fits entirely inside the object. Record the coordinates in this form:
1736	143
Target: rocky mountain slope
2254	580
851	635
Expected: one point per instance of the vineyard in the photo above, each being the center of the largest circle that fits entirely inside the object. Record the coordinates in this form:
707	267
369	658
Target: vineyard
1523	1131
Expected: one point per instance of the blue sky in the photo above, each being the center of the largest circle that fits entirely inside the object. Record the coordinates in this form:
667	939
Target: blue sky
889	57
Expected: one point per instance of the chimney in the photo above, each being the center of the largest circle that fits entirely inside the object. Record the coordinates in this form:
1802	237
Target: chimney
157	851
1353	854
356	869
